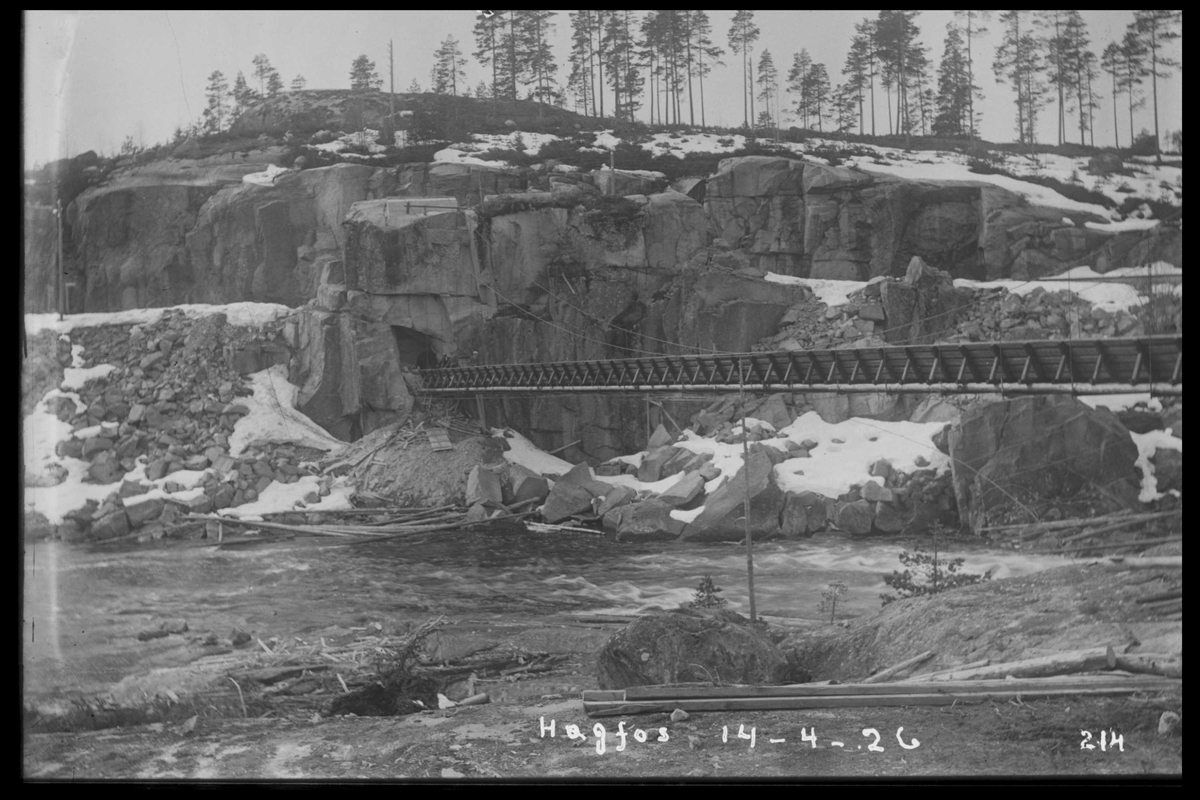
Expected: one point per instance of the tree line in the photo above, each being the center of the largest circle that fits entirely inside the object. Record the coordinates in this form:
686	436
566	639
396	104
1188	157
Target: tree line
225	104
622	62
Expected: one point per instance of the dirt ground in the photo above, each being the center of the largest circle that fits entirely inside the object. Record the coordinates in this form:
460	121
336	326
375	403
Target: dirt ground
1043	738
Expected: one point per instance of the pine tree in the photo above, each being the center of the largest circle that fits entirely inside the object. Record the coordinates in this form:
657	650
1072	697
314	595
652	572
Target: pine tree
217	94
1018	62
954	89
1133	54
705	49
1113	63
415	87
846	104
512	42
274	84
535	54
856	71
768	83
1078	60
620	54
262	71
900	51
487	42
243	95
1053	23
363	77
481	90
743	33
973	28
819	93
448	67
583	60
798	84
865	31
1156	30
298	83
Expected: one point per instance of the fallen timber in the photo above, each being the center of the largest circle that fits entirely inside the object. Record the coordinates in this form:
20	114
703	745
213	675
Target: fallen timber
1079	367
657	699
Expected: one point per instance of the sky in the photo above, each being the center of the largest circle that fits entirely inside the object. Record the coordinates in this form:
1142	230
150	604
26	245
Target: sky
93	78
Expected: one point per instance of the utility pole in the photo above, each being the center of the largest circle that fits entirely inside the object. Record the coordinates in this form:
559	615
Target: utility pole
62	267
391	127
746	499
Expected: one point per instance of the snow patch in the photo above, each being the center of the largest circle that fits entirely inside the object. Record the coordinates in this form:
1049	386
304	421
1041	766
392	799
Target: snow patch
238	314
829	292
1147	443
527	454
78	377
273	416
267	177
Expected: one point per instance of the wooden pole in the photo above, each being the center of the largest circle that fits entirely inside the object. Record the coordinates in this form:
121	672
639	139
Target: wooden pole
479	408
62	267
746	499
391	126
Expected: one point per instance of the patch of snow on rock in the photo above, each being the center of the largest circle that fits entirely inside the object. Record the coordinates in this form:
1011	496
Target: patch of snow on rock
267	177
527	454
273	416
1147	443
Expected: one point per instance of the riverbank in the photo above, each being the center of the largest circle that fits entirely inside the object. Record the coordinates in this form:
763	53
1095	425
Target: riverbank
527	594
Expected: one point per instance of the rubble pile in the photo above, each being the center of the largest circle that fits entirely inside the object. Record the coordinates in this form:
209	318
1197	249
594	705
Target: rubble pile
158	425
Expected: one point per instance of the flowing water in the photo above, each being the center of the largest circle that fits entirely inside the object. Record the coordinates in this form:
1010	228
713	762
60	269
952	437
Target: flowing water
84	606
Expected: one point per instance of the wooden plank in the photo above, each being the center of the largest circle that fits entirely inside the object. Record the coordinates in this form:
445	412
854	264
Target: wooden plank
883	675
617	708
879	689
439	439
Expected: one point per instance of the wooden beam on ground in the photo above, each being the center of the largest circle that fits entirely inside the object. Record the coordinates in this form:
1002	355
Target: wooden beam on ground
864	689
851	695
887	674
1046	666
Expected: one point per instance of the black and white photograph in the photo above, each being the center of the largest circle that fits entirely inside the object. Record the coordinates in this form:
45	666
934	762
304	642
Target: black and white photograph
577	397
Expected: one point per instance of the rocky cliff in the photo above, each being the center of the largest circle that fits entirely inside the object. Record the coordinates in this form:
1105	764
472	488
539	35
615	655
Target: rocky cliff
464	262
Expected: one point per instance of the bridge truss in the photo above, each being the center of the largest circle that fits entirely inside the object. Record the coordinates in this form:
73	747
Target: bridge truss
1151	364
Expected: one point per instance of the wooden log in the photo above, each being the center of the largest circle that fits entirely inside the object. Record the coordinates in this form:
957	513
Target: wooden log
887	674
1101	530
1045	666
1167	666
1145	562
837	689
1122	516
983	662
1154	598
1078	548
616	708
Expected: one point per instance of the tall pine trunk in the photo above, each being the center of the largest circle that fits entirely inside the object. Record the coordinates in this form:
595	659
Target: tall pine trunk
1116	123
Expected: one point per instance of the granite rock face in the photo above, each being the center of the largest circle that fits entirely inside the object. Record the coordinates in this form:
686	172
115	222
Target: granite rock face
1035	452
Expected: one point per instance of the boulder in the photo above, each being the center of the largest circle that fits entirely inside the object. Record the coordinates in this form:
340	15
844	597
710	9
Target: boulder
1140	420
141	511
1173	418
660	438
1168	469
105	468
573	494
527	484
722	518
617	497
874	492
690	646
889	519
923	307
662	462
773	410
648	521
483	487
111	525
1034	451
803	514
685	492
855	518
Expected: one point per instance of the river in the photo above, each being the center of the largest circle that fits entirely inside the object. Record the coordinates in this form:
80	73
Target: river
84	606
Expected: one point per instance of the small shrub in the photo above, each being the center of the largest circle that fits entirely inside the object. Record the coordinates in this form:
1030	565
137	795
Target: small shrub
934	575
830	598
707	595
